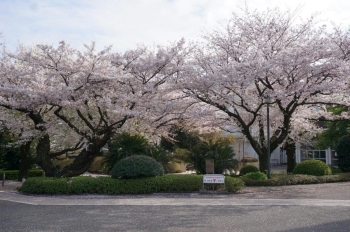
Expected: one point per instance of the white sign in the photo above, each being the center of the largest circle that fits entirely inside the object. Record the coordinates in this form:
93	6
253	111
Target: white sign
213	179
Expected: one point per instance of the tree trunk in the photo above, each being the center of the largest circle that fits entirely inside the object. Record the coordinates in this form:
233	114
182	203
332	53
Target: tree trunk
290	152
85	158
26	161
81	163
43	158
263	163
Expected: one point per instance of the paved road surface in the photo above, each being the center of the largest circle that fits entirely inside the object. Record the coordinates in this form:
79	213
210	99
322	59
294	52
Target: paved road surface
324	207
22	217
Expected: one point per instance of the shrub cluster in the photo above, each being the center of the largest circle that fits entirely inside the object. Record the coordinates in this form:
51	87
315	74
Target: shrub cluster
137	166
256	176
13	174
107	185
312	167
248	169
297	179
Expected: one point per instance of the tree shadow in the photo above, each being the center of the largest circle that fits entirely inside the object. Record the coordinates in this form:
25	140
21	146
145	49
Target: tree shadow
339	226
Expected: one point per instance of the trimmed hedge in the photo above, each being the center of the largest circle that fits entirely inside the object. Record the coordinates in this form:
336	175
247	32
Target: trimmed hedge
108	185
166	183
233	184
297	179
312	167
13	174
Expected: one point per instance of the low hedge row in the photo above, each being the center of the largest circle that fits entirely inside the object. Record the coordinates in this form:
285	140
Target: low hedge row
13	174
280	180
108	185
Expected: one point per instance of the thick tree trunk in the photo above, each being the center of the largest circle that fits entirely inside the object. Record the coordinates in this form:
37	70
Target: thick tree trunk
263	163
26	161
85	158
81	163
43	158
290	152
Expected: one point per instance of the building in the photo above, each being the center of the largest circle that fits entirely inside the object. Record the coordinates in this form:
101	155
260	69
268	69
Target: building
278	156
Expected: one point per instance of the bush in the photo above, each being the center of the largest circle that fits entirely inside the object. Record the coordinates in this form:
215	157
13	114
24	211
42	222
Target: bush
256	176
45	185
248	169
137	166
178	183
343	152
297	179
312	167
84	185
13	174
107	185
233	184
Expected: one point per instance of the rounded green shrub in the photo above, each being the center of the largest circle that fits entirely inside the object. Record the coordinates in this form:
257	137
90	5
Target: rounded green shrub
248	169
137	166
256	176
312	167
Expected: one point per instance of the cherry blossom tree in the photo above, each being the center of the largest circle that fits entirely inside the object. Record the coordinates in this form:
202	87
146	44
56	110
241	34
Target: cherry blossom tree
94	93
268	58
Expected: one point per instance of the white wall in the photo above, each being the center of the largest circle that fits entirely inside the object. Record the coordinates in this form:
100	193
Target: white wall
244	145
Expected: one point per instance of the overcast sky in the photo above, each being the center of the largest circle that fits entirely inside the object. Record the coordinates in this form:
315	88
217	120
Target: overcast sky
126	23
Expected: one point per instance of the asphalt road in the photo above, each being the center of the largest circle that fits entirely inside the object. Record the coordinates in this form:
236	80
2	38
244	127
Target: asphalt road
24	217
323	207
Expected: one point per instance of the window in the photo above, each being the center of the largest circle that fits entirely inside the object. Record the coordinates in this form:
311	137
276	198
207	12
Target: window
313	154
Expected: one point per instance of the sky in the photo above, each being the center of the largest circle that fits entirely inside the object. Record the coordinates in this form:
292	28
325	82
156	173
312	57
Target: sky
126	23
